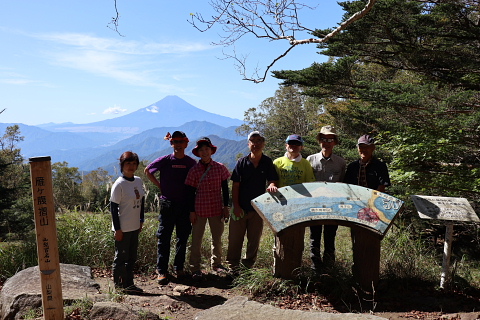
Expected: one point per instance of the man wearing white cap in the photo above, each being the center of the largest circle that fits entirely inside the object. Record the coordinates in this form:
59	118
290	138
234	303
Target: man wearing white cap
330	168
252	176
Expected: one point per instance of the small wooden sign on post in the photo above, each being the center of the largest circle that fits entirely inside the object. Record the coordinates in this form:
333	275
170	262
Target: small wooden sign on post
46	230
449	209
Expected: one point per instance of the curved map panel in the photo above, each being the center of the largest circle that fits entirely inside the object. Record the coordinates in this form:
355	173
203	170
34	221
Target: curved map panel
343	202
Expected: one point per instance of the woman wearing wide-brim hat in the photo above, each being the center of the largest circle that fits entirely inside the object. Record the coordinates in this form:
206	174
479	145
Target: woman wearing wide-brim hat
208	201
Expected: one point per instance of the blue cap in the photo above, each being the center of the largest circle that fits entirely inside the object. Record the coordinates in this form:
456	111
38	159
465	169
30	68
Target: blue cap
294	137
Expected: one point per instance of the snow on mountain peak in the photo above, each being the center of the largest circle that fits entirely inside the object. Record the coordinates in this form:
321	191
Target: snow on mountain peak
152	109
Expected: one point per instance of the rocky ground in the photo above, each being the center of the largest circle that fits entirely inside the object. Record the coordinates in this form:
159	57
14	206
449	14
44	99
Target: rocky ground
178	299
184	299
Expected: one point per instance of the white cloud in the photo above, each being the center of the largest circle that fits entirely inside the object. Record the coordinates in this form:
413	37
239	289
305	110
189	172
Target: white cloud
122	46
153	109
16	81
114	110
9	77
104	64
136	63
24	82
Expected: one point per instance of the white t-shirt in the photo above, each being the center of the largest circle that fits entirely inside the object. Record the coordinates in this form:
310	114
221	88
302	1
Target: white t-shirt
128	195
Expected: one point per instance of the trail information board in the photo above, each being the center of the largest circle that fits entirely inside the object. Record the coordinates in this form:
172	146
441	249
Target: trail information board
444	208
328	201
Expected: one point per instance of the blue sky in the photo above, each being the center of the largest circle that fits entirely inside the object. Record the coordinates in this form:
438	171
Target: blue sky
61	63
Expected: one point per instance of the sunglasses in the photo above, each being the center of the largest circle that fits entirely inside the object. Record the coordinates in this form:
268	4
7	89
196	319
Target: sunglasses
294	143
327	139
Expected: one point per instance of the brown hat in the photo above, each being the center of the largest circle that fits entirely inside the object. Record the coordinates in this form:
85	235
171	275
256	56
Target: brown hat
205	141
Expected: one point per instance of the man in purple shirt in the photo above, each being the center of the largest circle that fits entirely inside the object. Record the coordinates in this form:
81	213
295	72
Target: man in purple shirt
174	211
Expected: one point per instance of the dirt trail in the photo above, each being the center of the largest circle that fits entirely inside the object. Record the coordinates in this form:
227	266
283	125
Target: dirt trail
182	300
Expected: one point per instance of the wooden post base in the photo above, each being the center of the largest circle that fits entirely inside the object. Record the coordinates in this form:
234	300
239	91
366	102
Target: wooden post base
366	258
288	251
289	245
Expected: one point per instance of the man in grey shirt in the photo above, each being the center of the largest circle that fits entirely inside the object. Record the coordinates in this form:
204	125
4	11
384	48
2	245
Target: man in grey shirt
327	167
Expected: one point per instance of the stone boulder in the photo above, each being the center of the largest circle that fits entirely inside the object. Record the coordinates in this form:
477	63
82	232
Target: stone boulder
239	308
23	291
113	310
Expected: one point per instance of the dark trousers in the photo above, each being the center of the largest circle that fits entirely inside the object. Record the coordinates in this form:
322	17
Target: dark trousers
125	258
172	215
330	231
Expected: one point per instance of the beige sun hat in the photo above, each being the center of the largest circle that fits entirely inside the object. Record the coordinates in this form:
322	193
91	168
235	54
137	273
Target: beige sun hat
326	130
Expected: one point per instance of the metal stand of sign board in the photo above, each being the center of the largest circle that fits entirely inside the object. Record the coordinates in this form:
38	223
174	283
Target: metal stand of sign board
447	253
450	209
46	230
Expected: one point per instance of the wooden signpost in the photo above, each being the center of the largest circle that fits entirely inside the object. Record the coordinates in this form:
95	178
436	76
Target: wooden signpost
449	209
292	208
47	247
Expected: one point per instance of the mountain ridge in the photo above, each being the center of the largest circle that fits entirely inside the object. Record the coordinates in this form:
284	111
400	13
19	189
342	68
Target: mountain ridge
169	111
87	149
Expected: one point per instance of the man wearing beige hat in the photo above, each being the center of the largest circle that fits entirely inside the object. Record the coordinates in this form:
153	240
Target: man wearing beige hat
330	168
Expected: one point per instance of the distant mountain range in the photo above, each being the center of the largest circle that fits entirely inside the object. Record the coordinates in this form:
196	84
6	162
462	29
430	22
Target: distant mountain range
99	144
171	111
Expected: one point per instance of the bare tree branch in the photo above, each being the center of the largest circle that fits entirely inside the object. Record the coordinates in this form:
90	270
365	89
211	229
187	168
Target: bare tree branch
114	21
265	19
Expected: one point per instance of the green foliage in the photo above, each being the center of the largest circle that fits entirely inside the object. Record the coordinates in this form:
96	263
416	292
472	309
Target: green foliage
147	248
399	244
15	215
76	309
33	313
96	187
67	191
465	274
407	72
260	281
152	199
288	112
18	255
85	239
19	217
79	308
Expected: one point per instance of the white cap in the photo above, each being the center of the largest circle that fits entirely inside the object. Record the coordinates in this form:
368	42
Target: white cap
255	133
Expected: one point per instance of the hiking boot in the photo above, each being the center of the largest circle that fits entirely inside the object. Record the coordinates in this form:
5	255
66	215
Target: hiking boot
133	289
180	274
329	259
197	275
219	269
162	279
317	264
234	271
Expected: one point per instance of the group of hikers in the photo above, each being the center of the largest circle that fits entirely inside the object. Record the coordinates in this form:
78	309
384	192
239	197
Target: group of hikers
193	193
